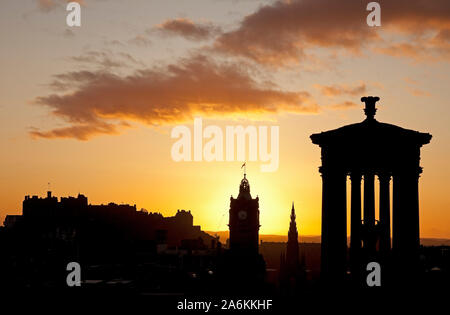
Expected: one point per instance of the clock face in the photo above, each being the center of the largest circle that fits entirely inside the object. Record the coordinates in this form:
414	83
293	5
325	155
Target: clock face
242	215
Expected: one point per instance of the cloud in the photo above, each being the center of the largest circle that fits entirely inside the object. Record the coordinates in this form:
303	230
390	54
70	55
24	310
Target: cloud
418	92
343	105
80	132
411	87
106	59
188	29
68	33
410	80
100	58
140	40
113	42
341	89
429	47
165	95
285	32
48	5
405	49
280	33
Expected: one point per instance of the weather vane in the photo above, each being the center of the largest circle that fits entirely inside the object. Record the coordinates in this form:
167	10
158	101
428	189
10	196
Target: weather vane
245	168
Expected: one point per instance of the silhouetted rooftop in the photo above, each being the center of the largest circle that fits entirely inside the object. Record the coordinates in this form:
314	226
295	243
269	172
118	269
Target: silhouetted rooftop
370	131
244	189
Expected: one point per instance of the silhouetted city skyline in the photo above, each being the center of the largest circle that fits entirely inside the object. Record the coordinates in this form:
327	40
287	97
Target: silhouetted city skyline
163	255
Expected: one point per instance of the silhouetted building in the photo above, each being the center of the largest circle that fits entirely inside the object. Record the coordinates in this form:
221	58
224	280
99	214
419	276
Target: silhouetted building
292	269
369	149
243	268
50	214
147	250
292	258
11	220
244	220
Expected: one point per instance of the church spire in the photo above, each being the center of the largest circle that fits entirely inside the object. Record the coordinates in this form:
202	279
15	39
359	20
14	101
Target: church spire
293	233
292	258
293	213
291	269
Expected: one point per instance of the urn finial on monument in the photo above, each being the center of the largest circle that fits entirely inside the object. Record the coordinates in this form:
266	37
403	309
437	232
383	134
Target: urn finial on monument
370	109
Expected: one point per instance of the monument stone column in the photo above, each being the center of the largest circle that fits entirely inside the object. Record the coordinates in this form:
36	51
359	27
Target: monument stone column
334	225
406	238
385	213
369	212
355	222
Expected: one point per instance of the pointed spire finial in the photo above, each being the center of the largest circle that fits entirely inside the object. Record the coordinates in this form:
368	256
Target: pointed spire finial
245	168
244	188
293	212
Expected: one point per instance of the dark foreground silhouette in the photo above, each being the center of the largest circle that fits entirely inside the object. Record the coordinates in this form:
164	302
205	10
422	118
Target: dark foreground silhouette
122	250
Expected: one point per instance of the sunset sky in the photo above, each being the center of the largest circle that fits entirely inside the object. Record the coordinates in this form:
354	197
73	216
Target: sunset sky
90	109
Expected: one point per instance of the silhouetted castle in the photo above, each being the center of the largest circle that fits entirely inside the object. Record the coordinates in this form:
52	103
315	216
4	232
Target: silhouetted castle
64	219
116	245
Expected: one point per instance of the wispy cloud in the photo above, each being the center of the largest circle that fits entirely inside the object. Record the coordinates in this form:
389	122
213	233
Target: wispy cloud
106	59
341	89
286	32
79	131
343	105
49	5
188	29
140	40
68	33
164	95
412	87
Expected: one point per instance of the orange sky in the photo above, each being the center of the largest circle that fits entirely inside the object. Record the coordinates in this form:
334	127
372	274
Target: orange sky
90	109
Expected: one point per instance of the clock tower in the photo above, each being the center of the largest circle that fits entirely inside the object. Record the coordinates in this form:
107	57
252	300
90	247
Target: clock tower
244	221
241	268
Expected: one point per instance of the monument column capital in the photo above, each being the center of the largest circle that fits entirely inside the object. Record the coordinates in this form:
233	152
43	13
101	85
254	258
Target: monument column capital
355	175
384	176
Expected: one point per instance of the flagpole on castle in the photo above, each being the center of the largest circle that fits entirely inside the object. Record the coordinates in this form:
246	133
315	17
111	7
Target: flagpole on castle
245	168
